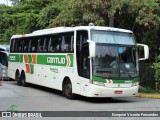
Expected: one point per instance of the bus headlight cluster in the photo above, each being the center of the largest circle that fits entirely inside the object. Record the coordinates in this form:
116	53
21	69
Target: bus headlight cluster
98	83
135	84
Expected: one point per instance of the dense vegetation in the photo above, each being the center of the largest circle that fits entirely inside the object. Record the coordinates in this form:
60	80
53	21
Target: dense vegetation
140	16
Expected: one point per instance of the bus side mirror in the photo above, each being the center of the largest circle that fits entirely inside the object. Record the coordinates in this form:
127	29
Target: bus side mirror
146	51
92	48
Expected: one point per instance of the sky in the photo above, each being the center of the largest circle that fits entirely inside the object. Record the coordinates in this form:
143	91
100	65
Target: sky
7	2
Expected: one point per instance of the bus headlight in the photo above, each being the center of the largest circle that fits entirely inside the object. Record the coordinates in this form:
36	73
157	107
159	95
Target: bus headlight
98	83
135	84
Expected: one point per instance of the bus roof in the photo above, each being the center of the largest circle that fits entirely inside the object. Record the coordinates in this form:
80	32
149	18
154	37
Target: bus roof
69	29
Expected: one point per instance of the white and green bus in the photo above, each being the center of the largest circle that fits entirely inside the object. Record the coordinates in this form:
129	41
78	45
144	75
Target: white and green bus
91	61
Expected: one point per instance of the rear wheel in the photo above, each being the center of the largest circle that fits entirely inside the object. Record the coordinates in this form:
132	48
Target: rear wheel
23	79
17	78
67	89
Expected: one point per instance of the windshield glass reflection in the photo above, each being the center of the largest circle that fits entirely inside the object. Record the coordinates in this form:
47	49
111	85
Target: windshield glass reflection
115	62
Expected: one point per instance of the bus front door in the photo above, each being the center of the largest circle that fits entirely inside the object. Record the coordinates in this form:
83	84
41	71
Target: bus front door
84	69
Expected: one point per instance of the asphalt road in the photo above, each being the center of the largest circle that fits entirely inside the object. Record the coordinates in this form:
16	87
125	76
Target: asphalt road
37	98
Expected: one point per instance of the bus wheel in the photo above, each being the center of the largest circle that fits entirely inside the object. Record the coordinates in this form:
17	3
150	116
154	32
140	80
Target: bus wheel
109	98
67	90
17	78
23	79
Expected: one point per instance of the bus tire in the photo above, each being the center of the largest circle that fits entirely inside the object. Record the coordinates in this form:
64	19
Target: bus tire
17	78
23	79
109	98
67	89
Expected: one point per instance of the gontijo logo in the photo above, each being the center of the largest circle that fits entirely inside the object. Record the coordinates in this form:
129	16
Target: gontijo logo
64	60
56	60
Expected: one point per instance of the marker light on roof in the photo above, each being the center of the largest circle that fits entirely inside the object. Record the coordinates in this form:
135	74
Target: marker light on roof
91	24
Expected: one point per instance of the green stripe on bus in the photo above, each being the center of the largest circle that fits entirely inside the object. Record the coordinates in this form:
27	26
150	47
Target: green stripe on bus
71	58
31	68
99	79
20	58
56	60
127	81
29	58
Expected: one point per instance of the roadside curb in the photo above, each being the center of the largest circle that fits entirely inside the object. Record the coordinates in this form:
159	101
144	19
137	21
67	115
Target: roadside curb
145	95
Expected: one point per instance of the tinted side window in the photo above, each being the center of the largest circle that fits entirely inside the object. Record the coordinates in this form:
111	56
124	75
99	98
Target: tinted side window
12	46
42	47
46	43
55	43
17	43
62	42
21	44
34	44
82	37
67	42
40	44
26	46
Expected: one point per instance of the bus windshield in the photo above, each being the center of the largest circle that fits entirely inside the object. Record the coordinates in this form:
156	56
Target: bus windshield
116	55
115	62
3	59
111	37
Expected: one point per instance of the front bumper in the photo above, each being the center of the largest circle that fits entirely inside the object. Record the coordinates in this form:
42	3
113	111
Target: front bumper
102	91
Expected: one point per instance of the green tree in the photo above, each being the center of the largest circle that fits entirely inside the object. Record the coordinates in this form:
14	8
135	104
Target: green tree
147	21
156	66
20	19
47	14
